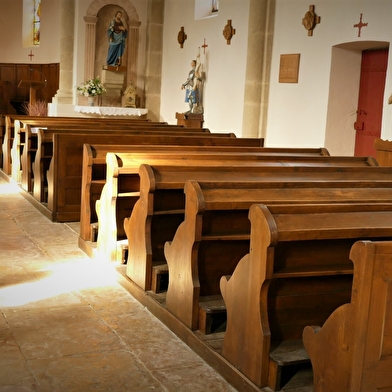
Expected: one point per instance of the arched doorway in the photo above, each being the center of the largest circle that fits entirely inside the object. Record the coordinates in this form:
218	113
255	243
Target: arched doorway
344	85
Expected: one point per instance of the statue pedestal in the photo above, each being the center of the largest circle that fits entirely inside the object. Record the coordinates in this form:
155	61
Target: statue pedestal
113	80
190	120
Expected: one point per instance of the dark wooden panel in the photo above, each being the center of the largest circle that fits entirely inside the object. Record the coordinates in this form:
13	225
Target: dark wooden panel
14	73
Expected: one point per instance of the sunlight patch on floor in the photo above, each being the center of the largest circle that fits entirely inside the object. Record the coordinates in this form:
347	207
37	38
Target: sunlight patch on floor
9	188
61	278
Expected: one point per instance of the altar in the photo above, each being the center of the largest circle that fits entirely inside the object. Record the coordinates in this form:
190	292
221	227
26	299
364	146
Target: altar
110	111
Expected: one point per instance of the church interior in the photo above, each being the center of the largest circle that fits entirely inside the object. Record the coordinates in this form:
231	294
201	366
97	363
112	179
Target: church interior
195	195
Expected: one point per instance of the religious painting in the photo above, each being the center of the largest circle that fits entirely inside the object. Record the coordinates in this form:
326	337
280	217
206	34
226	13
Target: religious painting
289	68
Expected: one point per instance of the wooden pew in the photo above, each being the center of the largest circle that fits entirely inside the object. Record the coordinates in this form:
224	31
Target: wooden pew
43	121
111	213
160	210
38	149
214	235
355	339
94	169
65	172
22	142
21	121
296	274
383	152
23	154
121	190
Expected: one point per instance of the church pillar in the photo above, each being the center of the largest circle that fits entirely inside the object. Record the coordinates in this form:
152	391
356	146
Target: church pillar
153	77
260	36
89	59
64	94
133	50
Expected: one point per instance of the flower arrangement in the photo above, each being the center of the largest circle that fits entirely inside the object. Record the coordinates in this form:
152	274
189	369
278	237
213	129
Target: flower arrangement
91	88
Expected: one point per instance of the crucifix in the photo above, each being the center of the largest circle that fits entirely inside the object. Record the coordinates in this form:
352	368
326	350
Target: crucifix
31	55
310	20
360	25
204	46
181	37
228	32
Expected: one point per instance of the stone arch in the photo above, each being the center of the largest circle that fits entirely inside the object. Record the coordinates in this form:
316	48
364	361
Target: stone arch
132	43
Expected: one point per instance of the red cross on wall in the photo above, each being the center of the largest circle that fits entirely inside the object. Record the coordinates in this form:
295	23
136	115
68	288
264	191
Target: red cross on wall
204	46
31	55
360	25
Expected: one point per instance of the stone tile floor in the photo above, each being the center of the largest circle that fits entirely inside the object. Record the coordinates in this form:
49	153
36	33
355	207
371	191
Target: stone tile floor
66	324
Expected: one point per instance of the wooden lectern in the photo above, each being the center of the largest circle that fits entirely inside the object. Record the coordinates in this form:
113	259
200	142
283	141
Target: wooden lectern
33	86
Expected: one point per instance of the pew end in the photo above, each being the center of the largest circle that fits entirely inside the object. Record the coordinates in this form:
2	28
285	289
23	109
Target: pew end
356	338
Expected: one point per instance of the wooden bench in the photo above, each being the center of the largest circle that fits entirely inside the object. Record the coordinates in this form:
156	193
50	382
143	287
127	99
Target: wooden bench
114	205
383	152
38	149
65	172
43	121
94	170
121	190
215	232
296	274
16	125
160	210
23	154
355	339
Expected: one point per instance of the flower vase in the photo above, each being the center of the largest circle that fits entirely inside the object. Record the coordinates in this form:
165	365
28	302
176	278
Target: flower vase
91	101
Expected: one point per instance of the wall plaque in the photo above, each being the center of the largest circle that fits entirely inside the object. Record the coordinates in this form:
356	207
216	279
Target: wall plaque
289	68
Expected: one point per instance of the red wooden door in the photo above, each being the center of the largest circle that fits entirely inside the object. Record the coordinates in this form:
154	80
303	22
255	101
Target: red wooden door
370	101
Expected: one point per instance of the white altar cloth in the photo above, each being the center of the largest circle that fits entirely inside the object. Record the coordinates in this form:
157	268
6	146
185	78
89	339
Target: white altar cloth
110	110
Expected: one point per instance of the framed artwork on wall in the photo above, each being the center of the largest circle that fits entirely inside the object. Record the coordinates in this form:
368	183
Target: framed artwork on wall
289	68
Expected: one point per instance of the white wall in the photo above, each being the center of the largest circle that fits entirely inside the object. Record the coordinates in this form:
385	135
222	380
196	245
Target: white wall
225	65
11	45
297	114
